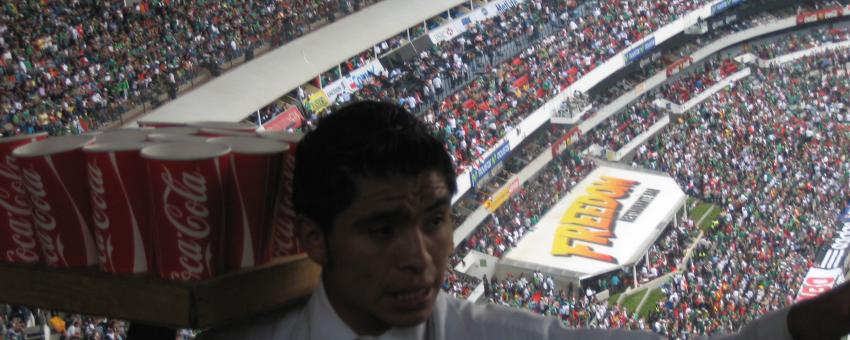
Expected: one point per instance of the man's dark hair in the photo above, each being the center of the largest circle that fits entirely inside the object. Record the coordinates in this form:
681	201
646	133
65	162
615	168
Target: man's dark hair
365	139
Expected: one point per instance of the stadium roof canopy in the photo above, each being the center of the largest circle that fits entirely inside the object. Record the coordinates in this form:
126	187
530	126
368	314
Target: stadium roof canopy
239	92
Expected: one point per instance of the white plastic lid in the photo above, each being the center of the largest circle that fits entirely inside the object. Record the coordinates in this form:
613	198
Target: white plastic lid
116	146
225	126
251	145
52	146
177	130
121	136
229	133
22	137
185	151
283	136
171	138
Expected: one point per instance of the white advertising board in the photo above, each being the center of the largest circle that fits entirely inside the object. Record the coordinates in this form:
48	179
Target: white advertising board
608	221
819	281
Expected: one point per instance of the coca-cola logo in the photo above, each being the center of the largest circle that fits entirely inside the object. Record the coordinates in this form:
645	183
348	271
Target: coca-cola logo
815	286
42	216
103	239
18	214
284	238
188	213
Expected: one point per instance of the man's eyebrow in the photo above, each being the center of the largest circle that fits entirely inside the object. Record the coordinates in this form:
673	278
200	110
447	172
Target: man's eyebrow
439	203
382	215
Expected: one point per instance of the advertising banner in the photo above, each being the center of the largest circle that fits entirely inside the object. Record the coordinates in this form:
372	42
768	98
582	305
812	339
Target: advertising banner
483	167
364	74
459	25
562	143
724	5
641	50
824	14
291	118
354	81
334	89
608	221
493	203
317	101
837	251
818	281
679	65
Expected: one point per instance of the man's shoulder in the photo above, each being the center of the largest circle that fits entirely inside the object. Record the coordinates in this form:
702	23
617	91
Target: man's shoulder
277	324
464	317
457	319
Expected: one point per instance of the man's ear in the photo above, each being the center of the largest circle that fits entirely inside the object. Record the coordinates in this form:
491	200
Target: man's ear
312	238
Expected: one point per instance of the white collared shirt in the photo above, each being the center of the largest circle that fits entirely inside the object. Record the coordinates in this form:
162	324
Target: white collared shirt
456	319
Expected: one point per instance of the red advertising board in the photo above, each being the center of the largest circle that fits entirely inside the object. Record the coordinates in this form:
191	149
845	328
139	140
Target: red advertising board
291	118
818	281
679	65
824	14
562	143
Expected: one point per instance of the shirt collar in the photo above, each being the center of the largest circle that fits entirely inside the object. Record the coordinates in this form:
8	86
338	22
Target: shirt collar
325	323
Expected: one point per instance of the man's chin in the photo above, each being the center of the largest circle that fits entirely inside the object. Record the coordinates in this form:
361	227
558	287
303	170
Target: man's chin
409	319
407	314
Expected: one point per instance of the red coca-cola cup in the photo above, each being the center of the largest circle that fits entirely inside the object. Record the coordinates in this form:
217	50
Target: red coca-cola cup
118	189
188	202
255	170
232	126
283	241
52	170
17	236
212	133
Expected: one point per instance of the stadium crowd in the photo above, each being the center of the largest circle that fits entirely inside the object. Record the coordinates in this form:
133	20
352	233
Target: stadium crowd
71	66
771	153
480	85
620	129
502	230
668	251
697	80
802	41
784	137
756	255
495	239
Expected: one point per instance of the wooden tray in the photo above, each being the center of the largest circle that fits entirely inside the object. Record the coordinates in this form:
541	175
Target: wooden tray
152	301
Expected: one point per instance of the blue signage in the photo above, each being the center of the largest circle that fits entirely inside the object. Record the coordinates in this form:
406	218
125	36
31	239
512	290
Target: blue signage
724	5
834	255
486	165
505	6
640	51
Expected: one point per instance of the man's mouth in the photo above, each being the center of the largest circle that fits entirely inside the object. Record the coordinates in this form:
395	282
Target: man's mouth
412	299
411	295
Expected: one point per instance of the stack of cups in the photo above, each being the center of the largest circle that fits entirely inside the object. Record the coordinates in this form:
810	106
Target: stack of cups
17	236
176	134
255	170
119	200
187	202
188	197
52	170
283	241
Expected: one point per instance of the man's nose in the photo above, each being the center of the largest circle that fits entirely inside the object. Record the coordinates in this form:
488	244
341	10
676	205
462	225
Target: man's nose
413	250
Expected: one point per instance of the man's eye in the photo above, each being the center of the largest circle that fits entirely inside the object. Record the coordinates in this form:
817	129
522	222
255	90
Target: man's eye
381	232
436	222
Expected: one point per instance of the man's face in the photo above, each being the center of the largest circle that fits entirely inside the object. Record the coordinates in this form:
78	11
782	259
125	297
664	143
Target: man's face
387	252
